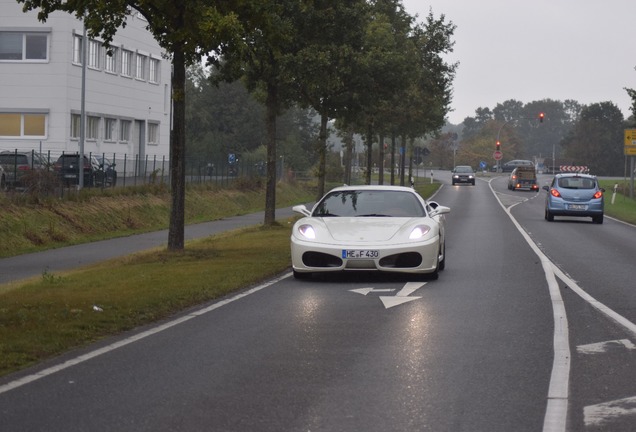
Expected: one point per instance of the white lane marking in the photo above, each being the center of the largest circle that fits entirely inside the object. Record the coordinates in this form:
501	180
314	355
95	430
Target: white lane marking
77	360
556	410
603	347
403	295
365	291
599	415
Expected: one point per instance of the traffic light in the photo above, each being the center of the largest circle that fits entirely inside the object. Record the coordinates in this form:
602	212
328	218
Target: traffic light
541	115
498	146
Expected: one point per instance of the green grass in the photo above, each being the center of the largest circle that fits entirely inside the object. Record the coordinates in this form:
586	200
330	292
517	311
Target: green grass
624	207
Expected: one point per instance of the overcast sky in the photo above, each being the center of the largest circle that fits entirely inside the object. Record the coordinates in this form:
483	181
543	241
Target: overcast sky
583	50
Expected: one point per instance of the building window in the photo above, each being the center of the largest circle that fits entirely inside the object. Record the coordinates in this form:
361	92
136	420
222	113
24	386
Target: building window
111	60
94	48
126	62
92	128
10	124
34	125
77	49
110	128
154	70
22	125
23	46
124	130
153	133
76	122
140	70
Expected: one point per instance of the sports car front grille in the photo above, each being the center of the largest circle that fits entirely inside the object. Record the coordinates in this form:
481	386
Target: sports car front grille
318	259
403	260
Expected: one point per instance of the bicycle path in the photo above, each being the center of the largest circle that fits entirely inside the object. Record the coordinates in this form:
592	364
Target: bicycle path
71	257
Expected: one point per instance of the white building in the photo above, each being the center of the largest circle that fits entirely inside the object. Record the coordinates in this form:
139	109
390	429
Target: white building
127	95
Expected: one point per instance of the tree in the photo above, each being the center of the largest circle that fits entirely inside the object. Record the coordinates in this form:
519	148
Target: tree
632	94
269	41
596	140
187	30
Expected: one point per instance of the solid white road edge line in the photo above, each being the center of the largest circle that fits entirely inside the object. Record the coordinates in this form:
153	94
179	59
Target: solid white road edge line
77	360
557	406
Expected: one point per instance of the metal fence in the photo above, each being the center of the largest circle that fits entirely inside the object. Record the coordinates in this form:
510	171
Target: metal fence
124	170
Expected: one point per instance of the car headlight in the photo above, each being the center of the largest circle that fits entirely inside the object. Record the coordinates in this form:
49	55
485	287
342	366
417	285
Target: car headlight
419	232
307	231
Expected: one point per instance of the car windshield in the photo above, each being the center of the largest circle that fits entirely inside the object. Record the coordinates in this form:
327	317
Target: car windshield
463	169
576	183
369	203
12	158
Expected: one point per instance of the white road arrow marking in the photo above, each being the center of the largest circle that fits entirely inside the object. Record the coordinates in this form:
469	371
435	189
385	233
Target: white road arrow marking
403	295
601	414
602	347
365	291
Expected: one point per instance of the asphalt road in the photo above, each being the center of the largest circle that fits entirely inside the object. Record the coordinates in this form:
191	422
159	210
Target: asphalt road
511	337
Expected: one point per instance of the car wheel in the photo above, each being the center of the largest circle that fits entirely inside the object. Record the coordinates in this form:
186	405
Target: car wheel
598	219
453	183
301	275
473	182
442	263
549	216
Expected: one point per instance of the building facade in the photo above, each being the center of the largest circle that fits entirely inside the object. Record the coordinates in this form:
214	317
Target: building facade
126	89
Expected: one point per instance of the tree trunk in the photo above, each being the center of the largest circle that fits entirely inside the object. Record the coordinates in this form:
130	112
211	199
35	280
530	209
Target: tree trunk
348	156
177	154
381	161
322	154
402	159
392	159
369	142
270	121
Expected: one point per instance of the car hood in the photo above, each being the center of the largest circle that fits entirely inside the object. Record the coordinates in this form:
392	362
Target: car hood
365	229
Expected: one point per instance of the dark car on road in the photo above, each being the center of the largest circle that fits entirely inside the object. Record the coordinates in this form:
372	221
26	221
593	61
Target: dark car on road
17	165
574	194
463	174
511	165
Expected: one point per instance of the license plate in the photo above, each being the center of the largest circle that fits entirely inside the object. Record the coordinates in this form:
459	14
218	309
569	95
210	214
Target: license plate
357	253
70	176
577	207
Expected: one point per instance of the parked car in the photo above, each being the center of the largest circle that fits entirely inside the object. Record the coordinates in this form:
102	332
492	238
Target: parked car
18	164
68	168
385	228
463	174
511	165
523	177
108	168
574	194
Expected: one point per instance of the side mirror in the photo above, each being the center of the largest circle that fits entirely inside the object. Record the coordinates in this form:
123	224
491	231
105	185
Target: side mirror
302	210
546	188
440	210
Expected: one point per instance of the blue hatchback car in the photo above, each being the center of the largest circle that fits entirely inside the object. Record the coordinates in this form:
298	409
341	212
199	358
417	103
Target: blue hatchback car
573	194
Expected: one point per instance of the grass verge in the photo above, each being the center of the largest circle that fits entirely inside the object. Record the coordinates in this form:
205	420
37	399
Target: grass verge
624	207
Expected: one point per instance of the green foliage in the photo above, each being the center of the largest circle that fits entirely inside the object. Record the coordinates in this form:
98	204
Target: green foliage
597	139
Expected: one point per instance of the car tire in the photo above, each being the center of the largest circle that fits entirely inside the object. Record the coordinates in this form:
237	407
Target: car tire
549	216
473	182
597	219
453	183
442	264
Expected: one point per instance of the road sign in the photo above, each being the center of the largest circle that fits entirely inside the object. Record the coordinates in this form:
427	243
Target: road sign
630	150
497	155
630	137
